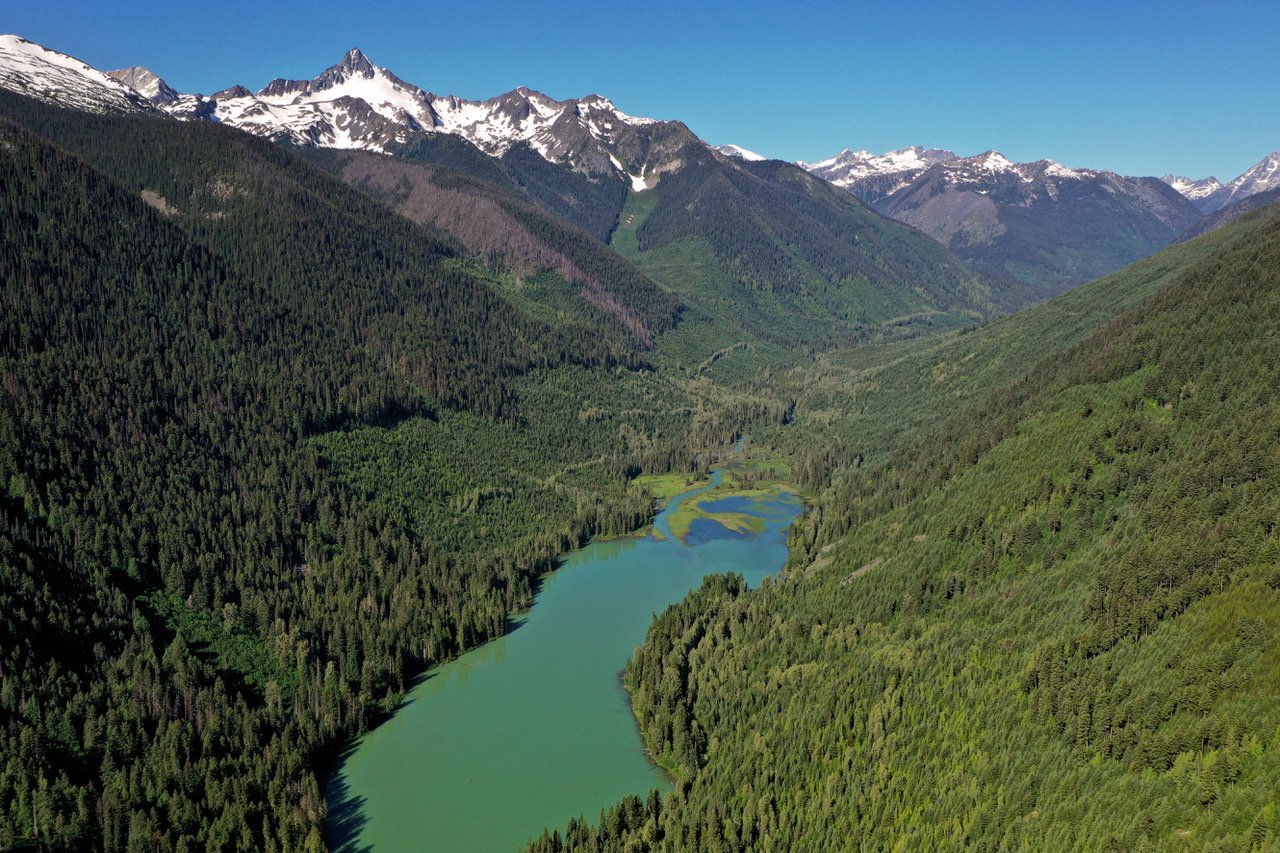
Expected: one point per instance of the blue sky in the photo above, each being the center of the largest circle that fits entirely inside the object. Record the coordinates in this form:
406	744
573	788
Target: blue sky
1135	86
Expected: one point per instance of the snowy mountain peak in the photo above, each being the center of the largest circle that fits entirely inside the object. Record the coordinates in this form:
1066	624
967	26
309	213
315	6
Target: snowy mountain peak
1263	176
990	161
849	166
35	71
357	61
353	64
741	153
231	92
1193	189
1259	178
1267	171
145	83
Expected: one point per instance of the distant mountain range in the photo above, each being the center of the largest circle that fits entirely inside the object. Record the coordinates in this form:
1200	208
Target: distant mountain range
1196	191
1035	228
1040	223
357	104
751	244
1211	195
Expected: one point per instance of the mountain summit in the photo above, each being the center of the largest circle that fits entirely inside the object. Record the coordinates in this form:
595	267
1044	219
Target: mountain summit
146	83
1195	190
357	104
877	175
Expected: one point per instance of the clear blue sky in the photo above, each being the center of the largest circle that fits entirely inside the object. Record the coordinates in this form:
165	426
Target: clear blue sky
1136	86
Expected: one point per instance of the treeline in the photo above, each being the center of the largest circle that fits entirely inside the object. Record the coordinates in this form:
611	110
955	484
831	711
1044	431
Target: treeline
1048	623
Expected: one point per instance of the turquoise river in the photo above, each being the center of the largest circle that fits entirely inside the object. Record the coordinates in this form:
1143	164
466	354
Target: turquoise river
534	728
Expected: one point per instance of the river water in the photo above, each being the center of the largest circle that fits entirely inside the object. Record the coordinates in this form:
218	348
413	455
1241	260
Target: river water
534	728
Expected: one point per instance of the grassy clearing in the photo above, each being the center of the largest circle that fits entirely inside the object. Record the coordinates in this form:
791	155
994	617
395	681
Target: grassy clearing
664	487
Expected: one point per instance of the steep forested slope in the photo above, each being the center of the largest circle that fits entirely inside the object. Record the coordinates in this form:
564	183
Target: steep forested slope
1048	623
201	340
789	259
874	398
212	180
514	237
766	252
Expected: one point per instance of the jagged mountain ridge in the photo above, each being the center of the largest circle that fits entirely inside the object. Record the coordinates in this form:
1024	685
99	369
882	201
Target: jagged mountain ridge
1211	195
1195	190
1042	224
357	104
874	176
1260	178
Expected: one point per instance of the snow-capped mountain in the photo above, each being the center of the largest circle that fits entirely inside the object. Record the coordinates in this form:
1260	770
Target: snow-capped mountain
1196	191
1211	195
730	150
357	104
35	71
1263	177
877	175
1040	223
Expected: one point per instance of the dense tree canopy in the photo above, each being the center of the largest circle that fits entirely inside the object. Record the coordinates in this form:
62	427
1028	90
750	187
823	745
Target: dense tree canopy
201	594
1049	622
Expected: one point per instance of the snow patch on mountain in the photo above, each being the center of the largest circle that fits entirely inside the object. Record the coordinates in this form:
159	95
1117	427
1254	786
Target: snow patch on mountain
1263	176
35	71
1193	189
741	153
849	167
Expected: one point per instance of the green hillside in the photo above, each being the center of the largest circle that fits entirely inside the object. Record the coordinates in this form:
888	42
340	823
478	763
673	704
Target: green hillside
1049	622
547	265
766	255
874	398
788	260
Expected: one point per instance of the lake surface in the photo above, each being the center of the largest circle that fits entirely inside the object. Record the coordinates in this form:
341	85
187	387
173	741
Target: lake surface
534	728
